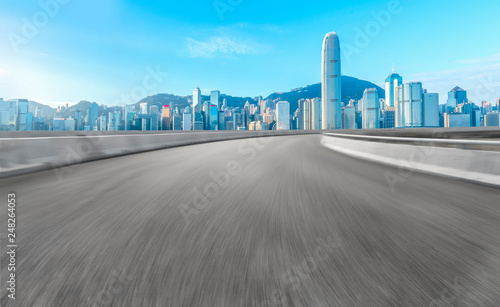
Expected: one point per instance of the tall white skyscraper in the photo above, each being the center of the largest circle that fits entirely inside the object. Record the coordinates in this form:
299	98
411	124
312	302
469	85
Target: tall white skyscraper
197	106
371	109
331	83
283	115
391	87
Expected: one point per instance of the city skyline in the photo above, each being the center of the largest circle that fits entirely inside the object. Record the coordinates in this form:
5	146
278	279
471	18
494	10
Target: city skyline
69	60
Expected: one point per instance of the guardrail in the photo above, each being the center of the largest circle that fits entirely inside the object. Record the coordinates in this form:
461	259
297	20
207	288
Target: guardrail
35	152
455	143
471	160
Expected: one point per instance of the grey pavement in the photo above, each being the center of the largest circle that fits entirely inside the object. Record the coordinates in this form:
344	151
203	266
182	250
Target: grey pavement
279	221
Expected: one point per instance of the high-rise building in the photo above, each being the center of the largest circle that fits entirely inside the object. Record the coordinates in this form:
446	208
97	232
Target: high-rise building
186	121
221	122
102	123
176	122
371	109
431	110
331	83
114	121
316	113
215	98
78	120
389	118
283	115
92	116
392	84
22	123
165	117
492	119
409	107
455	97
197	106
144	108
349	118
307	115
453	120
214	117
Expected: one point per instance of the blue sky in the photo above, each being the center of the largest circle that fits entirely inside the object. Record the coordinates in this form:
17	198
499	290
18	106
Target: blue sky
103	50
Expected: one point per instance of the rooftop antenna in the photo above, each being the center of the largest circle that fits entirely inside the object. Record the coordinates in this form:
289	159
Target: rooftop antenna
392	67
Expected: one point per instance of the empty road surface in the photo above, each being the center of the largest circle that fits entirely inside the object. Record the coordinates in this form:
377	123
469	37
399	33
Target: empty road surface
277	221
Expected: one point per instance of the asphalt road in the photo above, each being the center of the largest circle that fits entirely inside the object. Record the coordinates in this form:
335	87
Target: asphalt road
286	222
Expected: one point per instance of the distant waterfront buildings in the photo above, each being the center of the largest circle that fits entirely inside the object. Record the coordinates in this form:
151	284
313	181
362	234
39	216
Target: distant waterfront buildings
283	115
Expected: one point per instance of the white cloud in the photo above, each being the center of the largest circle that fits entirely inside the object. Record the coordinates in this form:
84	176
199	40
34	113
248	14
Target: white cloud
4	72
223	45
479	76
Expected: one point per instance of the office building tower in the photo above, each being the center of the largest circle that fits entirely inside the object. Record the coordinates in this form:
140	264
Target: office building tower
431	110
78	120
128	117
283	115
392	84
197	107
102	123
492	119
409	107
214	117
187	121
144	108
114	121
176	122
38	111
166	117
215	98
316	113
21	121
221	122
349	118
454	120
371	109
389	118
92	116
331	83
307	115
455	97
486	107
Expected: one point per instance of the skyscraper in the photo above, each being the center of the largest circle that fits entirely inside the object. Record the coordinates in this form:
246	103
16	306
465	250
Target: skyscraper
92	115
197	106
283	115
391	86
371	109
215	98
331	83
455	97
166	116
22	121
316	113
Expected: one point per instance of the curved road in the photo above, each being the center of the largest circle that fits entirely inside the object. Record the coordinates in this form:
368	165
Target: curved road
277	221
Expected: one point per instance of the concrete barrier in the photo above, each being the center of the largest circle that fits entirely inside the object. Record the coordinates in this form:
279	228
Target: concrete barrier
444	157
22	153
